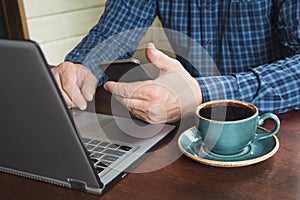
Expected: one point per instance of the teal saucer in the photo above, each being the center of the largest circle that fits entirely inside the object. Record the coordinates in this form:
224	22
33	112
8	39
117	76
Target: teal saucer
190	143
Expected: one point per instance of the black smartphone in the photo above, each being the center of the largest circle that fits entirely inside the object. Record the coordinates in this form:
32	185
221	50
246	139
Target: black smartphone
130	70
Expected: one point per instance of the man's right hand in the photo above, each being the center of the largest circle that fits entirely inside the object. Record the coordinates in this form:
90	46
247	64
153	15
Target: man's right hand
76	82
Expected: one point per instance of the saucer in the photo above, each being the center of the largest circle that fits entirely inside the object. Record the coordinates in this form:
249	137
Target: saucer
190	143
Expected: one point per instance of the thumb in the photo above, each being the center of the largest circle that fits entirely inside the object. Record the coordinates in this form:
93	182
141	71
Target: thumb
161	60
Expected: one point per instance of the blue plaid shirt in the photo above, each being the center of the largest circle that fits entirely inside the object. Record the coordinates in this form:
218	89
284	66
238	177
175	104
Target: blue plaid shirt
255	45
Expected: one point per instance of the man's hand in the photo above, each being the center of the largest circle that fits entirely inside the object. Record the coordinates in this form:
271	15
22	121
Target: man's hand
76	82
167	98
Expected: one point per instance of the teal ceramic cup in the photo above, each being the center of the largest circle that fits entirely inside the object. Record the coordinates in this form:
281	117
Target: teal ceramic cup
227	127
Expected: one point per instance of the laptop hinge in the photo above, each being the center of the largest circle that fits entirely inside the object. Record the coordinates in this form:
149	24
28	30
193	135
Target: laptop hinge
78	185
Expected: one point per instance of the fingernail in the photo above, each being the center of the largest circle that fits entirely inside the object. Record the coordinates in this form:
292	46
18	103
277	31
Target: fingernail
83	106
89	96
151	45
153	49
105	86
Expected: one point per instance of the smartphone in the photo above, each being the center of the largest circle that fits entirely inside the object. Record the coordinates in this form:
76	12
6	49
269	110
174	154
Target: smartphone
130	70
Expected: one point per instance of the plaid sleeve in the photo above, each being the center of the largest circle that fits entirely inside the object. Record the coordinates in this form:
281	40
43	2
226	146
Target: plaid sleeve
272	88
279	86
104	42
242	86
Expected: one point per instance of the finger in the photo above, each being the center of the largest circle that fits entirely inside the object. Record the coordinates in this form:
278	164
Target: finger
88	87
141	115
128	90
161	60
70	87
147	117
78	98
65	96
134	104
152	113
137	104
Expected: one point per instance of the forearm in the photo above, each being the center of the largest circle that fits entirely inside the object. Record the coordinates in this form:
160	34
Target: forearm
110	38
272	87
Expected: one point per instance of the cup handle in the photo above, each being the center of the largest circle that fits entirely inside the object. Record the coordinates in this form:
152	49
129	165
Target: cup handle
261	120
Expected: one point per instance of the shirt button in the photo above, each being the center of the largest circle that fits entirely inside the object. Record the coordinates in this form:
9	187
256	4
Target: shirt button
207	6
209	42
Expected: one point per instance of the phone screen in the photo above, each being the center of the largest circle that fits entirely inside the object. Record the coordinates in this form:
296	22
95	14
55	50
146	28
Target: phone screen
125	71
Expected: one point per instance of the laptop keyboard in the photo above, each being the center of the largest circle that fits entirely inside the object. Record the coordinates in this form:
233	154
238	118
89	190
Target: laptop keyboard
104	154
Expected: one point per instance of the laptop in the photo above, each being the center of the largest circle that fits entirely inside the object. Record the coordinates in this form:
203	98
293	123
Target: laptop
41	139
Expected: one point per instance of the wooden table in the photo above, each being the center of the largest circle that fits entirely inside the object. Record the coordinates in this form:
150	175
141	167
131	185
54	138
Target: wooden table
275	178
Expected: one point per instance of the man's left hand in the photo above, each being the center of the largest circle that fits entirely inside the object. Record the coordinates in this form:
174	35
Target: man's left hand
173	94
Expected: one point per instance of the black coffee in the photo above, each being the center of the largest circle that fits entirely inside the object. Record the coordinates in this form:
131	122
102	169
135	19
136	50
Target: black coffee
226	112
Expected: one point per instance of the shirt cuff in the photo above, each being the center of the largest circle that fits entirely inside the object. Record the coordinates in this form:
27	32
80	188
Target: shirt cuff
243	86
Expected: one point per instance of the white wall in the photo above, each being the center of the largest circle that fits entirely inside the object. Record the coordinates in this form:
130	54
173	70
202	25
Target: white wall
58	25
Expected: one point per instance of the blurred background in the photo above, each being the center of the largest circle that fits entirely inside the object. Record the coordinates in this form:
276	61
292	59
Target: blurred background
58	25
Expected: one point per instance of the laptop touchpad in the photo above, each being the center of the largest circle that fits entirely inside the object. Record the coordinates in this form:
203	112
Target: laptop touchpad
131	127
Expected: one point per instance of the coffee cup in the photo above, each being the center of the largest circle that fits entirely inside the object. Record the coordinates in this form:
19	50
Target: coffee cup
227	127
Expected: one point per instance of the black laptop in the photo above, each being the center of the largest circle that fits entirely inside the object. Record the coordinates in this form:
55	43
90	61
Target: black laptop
40	138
